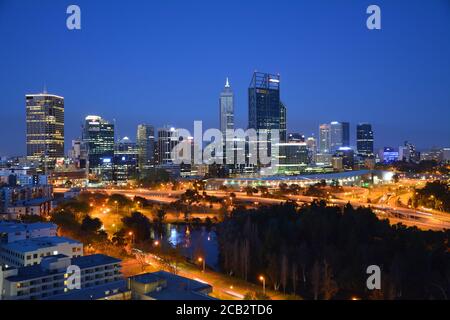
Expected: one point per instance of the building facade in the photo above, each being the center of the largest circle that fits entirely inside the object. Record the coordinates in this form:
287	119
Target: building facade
145	139
45	128
364	140
98	141
100	278
325	138
226	109
125	161
167	140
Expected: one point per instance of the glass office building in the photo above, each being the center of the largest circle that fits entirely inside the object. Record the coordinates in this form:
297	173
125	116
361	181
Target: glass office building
146	147
45	128
364	140
98	141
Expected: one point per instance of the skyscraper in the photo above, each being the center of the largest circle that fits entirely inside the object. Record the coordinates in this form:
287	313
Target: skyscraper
167	140
325	138
226	107
45	128
98	142
146	147
125	160
266	111
345	134
339	135
364	140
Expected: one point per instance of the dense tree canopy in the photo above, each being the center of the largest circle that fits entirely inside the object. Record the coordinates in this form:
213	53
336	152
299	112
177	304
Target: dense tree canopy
323	252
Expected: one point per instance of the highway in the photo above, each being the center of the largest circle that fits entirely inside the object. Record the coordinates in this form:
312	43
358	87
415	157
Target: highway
420	218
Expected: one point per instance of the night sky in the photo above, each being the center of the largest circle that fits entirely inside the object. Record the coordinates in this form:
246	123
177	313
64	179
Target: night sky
165	62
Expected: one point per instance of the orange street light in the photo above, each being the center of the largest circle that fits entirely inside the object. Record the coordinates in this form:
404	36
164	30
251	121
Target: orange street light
263	280
201	260
131	234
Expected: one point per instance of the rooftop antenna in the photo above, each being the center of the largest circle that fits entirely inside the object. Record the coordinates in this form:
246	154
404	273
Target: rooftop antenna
227	84
45	88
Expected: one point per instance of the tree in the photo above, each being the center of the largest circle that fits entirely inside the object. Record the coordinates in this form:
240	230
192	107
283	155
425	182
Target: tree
161	215
329	286
120	200
65	220
91	225
315	279
119	238
139	225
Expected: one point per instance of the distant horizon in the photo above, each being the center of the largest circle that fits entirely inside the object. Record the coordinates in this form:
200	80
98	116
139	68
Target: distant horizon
166	64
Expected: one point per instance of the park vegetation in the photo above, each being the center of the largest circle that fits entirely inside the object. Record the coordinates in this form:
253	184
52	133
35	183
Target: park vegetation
322	252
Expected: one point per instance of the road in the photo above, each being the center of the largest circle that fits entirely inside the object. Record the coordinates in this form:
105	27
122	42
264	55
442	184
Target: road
421	218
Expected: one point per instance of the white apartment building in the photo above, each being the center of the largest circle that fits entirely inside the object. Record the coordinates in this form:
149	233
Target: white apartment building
31	251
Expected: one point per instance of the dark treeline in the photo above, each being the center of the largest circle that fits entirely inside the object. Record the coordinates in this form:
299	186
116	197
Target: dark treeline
322	252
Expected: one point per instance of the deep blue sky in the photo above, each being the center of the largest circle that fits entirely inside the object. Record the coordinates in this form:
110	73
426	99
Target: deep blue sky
165	62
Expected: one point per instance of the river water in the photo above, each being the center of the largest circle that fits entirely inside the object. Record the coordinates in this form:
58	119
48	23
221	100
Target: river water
196	242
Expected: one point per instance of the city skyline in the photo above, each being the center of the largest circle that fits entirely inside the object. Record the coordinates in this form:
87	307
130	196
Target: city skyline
350	74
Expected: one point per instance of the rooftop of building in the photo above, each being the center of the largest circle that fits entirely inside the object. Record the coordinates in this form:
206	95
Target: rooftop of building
35	244
8	227
306	177
178	288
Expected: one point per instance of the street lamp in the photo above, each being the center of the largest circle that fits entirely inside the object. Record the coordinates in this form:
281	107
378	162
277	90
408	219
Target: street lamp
263	280
201	260
131	234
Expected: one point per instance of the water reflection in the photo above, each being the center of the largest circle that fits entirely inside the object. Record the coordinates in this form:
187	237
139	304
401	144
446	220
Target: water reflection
195	242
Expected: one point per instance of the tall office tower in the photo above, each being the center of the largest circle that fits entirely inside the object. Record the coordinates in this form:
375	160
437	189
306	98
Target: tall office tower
283	123
266	111
226	109
345	134
339	135
146	147
226	115
125	161
98	142
45	128
167	140
311	142
364	140
325	138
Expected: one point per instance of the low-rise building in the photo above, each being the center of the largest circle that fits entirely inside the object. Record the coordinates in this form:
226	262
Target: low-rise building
31	199
163	285
31	251
99	277
13	231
